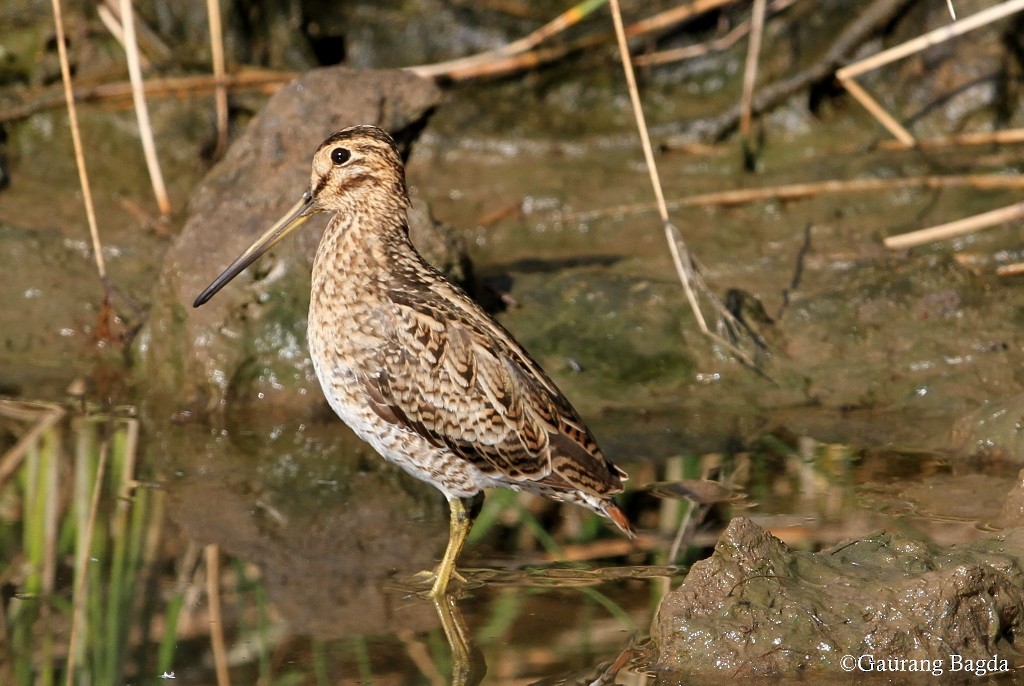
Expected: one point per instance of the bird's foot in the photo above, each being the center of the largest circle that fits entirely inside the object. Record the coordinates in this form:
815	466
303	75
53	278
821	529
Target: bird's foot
453	584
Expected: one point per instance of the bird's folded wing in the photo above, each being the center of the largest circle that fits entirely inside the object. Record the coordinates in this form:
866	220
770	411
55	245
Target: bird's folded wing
466	385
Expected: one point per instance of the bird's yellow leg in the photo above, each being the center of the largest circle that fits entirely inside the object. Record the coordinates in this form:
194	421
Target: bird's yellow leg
460	521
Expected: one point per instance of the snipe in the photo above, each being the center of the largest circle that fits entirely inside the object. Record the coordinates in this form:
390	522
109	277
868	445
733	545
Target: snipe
414	366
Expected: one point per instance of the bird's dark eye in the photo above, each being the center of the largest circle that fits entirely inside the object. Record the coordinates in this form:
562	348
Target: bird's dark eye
340	156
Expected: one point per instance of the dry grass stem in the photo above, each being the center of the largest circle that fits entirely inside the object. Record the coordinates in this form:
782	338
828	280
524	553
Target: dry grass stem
76	140
113	25
1004	137
220	92
846	75
464	67
141	110
727	328
220	653
524	53
674	16
960	227
716	45
44	416
267	82
905	138
750	72
1015	269
802	191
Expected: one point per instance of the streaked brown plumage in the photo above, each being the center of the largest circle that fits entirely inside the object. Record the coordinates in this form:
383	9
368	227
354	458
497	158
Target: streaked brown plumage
414	366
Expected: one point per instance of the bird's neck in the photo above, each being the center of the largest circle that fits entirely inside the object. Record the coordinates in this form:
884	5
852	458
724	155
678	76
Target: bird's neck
358	253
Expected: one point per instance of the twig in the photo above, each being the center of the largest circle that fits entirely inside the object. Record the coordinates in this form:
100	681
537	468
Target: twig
220	89
220	653
800	191
956	228
76	140
182	86
686	267
131	52
847	74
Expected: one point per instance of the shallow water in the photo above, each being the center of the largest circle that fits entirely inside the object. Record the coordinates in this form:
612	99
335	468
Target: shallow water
316	542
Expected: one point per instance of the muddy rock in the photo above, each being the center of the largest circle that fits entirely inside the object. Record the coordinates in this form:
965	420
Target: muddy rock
247	345
755	607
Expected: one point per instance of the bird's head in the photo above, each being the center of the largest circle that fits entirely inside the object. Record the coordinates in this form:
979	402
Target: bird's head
356	171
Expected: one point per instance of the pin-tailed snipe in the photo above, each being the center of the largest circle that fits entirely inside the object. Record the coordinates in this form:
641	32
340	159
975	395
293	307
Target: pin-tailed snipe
414	366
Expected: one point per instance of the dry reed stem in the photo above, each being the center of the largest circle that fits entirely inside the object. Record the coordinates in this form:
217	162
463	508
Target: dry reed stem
76	141
517	54
179	86
220	93
49	417
750	72
458	68
78	596
1015	269
674	16
141	110
716	45
1004	137
878	112
220	653
847	74
802	191
112	25
685	265
960	227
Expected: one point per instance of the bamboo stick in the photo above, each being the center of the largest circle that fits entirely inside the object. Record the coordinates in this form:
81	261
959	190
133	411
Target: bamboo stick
960	227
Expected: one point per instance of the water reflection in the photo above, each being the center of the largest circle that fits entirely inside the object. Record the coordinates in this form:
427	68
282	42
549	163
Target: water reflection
334	538
288	555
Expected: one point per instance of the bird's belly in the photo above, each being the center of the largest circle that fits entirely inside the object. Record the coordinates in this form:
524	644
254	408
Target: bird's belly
401	446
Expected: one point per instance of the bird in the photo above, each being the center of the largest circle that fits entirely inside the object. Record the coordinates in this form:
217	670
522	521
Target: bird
414	366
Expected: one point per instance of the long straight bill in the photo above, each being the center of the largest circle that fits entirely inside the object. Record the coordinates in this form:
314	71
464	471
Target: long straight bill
296	217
